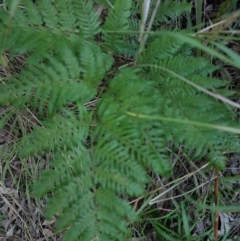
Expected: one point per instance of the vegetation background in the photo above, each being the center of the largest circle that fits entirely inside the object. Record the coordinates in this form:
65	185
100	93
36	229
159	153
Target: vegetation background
119	120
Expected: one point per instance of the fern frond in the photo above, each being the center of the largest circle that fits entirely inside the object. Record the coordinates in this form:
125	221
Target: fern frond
50	95
64	130
160	49
86	18
125	90
65	67
31	12
115	25
94	63
169	10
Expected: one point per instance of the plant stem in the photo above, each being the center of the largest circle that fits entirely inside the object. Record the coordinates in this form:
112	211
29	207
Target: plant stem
216	203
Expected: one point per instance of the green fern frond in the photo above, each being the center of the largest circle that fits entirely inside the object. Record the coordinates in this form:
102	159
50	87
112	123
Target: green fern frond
32	13
101	155
64	130
49	13
86	18
115	25
124	91
94	63
51	94
162	48
169	10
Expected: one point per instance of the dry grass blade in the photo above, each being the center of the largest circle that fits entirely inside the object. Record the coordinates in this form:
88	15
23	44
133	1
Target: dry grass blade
176	183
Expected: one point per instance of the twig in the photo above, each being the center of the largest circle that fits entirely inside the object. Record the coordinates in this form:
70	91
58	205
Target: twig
216	203
143	36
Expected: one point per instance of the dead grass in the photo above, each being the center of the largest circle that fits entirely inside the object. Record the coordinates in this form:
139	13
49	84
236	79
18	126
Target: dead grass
21	216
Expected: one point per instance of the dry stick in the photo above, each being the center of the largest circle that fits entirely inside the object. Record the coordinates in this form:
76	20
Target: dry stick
16	212
143	36
151	20
145	11
225	22
216	203
203	184
211	26
179	180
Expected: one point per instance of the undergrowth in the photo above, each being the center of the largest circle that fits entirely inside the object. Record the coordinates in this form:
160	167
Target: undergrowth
109	106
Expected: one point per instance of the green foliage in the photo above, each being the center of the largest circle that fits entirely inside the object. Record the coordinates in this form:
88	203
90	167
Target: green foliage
117	20
101	153
170	10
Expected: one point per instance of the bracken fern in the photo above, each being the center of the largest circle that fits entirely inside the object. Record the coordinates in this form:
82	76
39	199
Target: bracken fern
100	153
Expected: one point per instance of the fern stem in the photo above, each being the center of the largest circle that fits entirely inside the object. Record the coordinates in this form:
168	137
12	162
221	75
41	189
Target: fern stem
185	121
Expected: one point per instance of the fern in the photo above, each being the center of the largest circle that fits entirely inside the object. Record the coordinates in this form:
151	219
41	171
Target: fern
116	21
169	10
101	153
